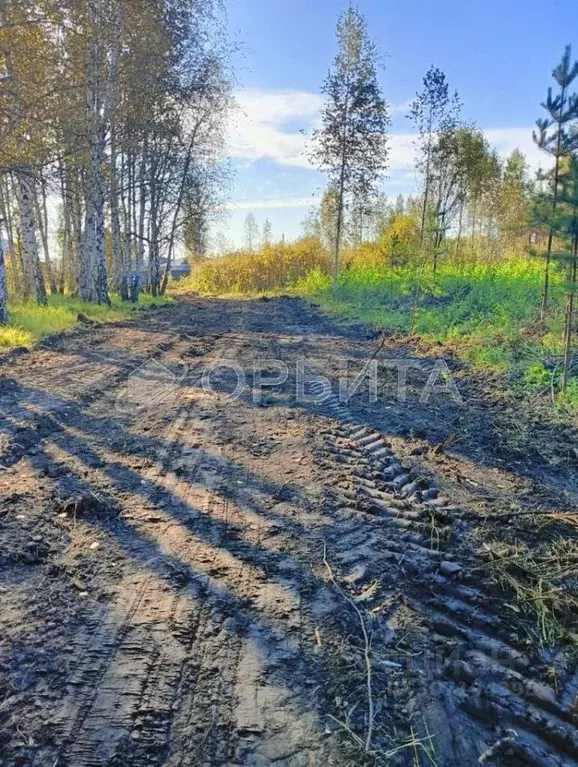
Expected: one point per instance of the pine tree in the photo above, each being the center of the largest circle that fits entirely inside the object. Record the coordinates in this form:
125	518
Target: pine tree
352	144
562	110
563	222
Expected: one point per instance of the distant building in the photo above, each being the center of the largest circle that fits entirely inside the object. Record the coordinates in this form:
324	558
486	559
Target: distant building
178	271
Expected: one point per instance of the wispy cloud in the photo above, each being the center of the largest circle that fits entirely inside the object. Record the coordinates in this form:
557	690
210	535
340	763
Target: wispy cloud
400	109
274	126
267	125
284	203
505	140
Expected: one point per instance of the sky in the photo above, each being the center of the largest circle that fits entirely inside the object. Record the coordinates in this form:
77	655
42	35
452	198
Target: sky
498	55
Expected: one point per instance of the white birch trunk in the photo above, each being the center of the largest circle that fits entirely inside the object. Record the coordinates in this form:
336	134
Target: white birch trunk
3	288
117	255
33	279
88	291
42	219
142	211
7	216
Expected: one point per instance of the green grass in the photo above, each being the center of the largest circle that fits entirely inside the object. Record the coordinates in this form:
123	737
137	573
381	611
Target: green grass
487	313
30	323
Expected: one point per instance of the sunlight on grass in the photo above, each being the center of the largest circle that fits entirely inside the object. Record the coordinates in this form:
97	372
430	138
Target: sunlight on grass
274	267
11	337
30	323
485	312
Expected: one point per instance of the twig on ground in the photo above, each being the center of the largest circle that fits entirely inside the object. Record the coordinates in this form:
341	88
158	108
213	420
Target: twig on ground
379	348
509	739
367	652
552	389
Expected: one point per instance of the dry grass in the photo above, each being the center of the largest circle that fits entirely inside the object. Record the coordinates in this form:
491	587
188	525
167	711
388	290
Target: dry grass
272	268
544	583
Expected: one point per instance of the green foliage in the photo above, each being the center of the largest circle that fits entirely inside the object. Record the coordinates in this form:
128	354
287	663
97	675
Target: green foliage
536	376
353	158
30	322
485	312
570	396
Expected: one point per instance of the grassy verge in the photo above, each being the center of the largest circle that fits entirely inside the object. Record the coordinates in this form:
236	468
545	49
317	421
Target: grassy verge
30	323
486	313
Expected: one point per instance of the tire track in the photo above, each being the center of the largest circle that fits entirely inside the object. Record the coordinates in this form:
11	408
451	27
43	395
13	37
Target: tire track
479	669
127	685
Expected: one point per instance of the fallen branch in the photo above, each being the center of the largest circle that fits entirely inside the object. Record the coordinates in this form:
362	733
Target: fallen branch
370	704
379	348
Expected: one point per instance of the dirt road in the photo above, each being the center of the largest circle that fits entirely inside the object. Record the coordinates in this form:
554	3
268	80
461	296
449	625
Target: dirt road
188	578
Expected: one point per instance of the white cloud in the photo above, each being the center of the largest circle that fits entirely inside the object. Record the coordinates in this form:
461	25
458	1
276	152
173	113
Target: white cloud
259	129
277	107
281	203
267	125
401	109
505	140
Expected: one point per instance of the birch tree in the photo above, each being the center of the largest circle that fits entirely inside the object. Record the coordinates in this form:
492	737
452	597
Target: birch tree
434	112
352	144
113	109
3	287
251	232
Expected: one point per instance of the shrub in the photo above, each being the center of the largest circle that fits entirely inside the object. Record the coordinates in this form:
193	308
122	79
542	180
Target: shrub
273	267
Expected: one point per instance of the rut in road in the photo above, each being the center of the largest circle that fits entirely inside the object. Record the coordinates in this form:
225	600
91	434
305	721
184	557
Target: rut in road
173	606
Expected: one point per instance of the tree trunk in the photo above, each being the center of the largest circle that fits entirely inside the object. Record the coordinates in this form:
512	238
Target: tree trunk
117	257
7	216
569	321
88	289
546	291
3	289
43	227
178	208
154	254
142	211
427	179
460	227
338	232
126	243
33	279
67	270
95	286
74	185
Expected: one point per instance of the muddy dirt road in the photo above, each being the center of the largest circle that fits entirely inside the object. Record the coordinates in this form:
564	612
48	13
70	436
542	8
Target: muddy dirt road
192	579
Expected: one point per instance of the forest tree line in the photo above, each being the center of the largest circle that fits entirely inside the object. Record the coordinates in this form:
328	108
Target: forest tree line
470	200
112	118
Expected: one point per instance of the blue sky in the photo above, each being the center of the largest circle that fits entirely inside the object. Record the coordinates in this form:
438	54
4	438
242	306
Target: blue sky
498	55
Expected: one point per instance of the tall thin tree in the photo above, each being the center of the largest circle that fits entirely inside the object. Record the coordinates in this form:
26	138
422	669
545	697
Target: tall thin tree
434	110
562	109
352	144
3	287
